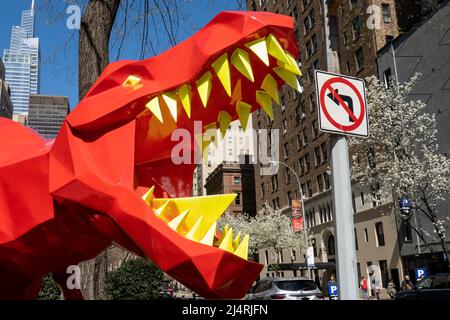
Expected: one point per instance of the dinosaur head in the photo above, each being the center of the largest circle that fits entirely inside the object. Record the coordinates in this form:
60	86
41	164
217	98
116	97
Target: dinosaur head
230	68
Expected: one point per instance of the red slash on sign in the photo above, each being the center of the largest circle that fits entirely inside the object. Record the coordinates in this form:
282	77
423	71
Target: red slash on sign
357	120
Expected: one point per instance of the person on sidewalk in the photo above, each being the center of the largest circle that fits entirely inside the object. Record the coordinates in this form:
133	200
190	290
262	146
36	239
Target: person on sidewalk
407	284
363	286
391	290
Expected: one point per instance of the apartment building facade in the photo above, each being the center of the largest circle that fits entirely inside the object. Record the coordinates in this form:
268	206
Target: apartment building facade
341	36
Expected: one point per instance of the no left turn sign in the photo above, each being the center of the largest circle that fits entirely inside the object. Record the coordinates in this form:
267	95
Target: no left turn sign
341	104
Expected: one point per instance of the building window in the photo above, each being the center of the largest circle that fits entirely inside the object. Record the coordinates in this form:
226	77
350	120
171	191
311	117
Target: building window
320	183
286	150
316	65
274	180
380	234
289	198
312	17
309	51
362	198
307	162
305	136
356	239
384	273
324	152
307	25
356	27
299	141
406	232
287	175
263	190
326	178
236	180
317	154
315	129
331	248
353	3
359	59
348	67
366	235
284	125
353	202
309	187
387	78
302	165
314	43
311	74
386	9
237	201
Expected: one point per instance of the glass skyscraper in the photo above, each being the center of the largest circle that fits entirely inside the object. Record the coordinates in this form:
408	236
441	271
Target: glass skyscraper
22	61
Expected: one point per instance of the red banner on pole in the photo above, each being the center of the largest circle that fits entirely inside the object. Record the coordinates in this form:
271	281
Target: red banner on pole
297	218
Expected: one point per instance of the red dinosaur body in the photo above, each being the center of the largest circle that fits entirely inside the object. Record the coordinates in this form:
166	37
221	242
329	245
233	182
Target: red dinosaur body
109	178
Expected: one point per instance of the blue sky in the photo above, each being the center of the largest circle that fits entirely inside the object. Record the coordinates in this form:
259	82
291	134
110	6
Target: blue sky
59	45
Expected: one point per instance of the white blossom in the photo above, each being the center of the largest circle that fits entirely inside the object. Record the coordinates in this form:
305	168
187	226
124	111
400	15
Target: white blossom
401	154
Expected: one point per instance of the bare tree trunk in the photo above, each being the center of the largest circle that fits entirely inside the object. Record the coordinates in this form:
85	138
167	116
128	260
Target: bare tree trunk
93	56
93	51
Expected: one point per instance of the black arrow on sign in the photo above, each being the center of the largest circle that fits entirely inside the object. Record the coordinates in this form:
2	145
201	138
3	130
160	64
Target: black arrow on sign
347	99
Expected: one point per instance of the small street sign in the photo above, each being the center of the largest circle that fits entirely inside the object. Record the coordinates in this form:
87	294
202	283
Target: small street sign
421	273
341	104
310	257
333	290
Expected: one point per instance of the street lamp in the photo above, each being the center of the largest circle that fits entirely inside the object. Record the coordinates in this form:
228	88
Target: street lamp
305	232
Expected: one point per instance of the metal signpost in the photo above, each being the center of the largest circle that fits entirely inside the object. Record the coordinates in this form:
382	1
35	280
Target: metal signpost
342	111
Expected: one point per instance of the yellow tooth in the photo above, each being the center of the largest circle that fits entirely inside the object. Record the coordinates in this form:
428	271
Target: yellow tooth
242	250
204	87
275	49
148	196
264	100
227	242
224	122
241	61
222	69
153	106
259	47
208	207
270	85
236	240
131	81
237	92
195	233
170	98
292	66
184	93
176	223
243	110
210	134
222	235
208	239
289	78
162	211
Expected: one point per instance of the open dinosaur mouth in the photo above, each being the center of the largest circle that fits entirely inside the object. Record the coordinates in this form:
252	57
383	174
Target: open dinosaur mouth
261	63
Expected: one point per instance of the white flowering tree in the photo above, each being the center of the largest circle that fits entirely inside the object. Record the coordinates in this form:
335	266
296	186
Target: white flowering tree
400	157
269	229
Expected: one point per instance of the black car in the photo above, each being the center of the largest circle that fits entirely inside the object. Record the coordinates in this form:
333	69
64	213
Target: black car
436	287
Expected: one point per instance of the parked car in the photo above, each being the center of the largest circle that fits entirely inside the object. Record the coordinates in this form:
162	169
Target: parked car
436	287
285	289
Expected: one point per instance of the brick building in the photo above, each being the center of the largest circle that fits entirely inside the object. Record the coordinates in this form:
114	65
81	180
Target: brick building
234	177
341	36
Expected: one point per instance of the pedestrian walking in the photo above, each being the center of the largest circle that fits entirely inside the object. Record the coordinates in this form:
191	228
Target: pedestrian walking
363	286
407	284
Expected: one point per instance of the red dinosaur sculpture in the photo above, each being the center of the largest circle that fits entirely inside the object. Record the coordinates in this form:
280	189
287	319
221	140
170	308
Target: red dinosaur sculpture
109	178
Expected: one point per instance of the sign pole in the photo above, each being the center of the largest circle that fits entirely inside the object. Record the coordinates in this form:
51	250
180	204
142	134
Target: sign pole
343	219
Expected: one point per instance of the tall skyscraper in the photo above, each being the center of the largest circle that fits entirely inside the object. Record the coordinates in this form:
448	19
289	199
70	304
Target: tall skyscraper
22	61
